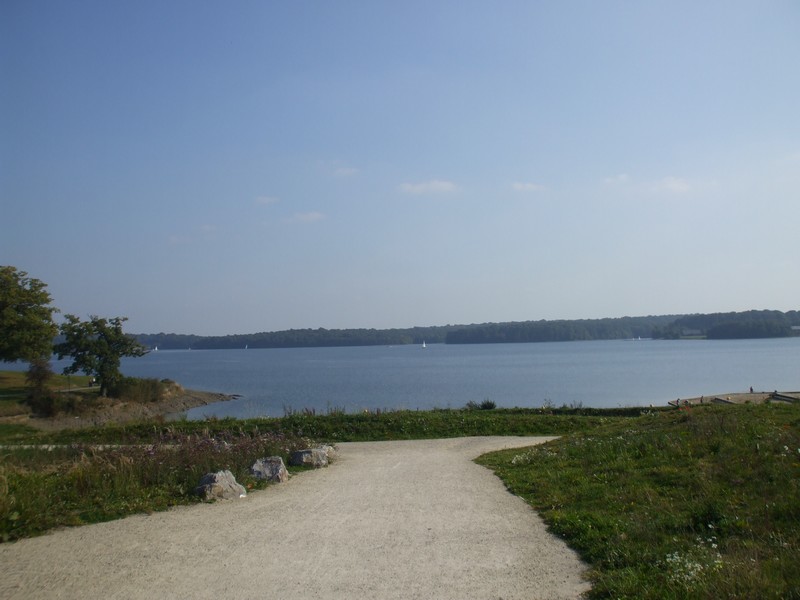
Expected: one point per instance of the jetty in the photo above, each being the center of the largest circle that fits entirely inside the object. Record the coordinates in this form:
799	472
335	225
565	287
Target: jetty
739	398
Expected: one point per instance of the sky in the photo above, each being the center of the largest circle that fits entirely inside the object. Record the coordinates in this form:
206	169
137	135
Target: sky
219	168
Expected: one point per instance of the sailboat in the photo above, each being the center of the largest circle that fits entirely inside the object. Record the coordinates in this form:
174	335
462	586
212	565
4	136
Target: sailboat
423	344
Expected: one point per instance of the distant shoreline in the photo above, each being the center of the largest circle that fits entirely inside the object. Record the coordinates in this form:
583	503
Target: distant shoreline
752	324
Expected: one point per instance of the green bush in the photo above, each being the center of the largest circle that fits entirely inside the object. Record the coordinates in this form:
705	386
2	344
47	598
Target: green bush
43	403
49	403
133	389
485	405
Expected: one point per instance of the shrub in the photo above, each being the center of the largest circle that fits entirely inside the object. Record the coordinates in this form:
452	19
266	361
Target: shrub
43	403
485	405
50	403
38	374
40	398
133	389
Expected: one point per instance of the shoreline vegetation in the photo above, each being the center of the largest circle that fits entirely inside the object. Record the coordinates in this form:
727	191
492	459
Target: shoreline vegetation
77	404
732	325
697	500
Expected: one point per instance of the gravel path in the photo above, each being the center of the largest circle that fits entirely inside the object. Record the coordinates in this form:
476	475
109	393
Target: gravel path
388	520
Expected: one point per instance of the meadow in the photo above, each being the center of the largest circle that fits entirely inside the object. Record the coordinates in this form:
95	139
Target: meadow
701	502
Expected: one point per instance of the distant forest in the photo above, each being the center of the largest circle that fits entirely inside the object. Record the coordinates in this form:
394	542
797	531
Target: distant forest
748	324
740	325
727	326
300	338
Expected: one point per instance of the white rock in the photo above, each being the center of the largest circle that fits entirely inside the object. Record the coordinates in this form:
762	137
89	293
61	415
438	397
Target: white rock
270	468
221	485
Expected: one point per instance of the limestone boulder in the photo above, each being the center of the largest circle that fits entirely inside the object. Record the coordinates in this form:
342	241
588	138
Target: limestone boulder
221	485
312	457
330	452
270	468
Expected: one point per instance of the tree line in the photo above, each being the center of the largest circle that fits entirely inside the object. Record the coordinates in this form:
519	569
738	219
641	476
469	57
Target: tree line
748	324
559	330
299	338
733	325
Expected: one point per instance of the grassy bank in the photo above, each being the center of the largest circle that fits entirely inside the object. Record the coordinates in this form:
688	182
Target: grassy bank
14	391
369	426
45	487
697	503
68	396
152	466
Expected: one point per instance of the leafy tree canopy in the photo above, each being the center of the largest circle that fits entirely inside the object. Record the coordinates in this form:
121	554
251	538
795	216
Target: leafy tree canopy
26	317
96	347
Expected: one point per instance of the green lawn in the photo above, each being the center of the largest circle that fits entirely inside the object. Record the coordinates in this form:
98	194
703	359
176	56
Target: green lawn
696	503
14	391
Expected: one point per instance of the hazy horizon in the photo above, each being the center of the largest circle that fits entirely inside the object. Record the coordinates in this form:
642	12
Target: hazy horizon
264	166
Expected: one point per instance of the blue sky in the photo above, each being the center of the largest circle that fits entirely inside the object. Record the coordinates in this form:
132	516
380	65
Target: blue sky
215	168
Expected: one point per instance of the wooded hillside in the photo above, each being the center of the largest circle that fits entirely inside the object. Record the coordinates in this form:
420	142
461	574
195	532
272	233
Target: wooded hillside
748	324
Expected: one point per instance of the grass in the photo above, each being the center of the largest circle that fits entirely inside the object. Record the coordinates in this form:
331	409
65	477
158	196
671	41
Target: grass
697	503
152	466
73	394
341	427
14	391
408	425
42	488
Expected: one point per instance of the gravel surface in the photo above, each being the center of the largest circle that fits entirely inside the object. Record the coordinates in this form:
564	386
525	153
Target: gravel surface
413	519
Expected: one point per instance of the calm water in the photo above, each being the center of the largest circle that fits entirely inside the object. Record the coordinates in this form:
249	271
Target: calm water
598	374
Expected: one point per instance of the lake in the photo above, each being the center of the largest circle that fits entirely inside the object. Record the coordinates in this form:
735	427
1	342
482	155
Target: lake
599	374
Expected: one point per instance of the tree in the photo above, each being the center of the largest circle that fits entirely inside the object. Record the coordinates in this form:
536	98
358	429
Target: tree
26	317
96	347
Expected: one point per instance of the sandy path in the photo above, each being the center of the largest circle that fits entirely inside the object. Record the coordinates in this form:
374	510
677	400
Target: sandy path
389	520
